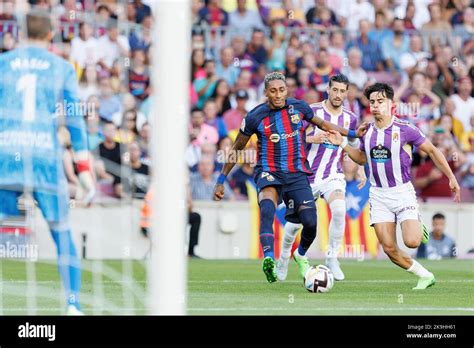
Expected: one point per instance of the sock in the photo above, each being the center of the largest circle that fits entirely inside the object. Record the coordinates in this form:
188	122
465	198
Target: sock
336	227
308	234
291	230
418	270
267	239
68	265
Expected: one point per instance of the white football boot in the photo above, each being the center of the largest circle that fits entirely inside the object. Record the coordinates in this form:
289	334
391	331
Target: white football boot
333	265
73	311
282	268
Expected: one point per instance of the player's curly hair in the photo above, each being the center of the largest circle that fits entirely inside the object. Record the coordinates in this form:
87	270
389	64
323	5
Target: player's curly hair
274	76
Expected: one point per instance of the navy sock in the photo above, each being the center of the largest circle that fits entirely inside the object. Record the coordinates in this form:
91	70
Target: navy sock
267	239
308	234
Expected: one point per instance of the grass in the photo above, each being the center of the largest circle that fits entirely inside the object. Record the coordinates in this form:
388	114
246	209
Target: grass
238	287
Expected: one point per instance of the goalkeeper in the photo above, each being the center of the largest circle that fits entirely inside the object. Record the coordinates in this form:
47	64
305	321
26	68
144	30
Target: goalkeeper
34	82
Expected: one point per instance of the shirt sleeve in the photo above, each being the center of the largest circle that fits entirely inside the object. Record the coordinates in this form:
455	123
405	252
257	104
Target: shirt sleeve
414	136
249	124
306	110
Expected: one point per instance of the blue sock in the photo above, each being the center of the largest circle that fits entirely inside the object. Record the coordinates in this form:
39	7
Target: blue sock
68	265
308	234
267	239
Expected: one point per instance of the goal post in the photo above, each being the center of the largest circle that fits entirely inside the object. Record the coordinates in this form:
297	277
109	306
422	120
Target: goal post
169	117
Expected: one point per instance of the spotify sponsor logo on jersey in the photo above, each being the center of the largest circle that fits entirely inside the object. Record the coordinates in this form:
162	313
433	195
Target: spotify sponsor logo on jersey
380	154
275	138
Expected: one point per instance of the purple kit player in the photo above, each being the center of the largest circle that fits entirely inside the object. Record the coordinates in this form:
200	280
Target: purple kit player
387	149
282	168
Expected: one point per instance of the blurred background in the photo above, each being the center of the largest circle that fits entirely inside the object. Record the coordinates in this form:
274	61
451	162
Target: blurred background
423	48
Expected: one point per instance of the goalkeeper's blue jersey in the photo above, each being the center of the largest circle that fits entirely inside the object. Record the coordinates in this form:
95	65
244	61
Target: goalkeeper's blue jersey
34	85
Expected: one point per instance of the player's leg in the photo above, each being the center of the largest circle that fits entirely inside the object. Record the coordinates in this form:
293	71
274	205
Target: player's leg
304	212
55	209
268	200
386	234
335	197
291	230
195	221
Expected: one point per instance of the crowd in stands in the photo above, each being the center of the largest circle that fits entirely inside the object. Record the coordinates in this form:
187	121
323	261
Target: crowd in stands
423	48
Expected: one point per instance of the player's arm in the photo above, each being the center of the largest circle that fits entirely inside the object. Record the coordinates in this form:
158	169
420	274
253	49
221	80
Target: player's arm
327	126
438	159
77	128
318	138
356	155
239	144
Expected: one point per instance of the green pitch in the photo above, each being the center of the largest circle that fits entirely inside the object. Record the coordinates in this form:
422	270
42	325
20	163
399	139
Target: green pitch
239	288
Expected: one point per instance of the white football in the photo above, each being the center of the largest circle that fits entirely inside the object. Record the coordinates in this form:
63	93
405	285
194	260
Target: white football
318	279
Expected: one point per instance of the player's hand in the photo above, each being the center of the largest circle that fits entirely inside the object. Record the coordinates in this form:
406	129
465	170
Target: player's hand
218	192
454	186
335	137
318	138
362	129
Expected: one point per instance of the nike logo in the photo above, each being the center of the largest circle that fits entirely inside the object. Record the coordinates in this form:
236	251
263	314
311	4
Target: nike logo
266	127
304	202
265	248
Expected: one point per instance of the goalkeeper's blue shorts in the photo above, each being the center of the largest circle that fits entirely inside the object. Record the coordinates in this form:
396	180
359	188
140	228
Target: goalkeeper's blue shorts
53	206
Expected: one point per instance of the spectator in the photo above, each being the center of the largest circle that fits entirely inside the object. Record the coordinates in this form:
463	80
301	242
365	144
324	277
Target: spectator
205	86
138	178
256	49
244	20
353	102
84	48
7	42
212	119
393	46
88	84
144	142
141	39
221	96
337	51
354	11
353	70
243	59
228	68
464	102
467	170
245	82
371	54
313	15
319	79
94	134
440	77
304	75
291	67
109	102
112	46
108	168
102	18
451	126
200	132
202	182
431	181
213	14
415	58
139	76
233	117
291	87
465	31
380	30
142	10
436	24
197	64
277	51
127	133
439	246
410	17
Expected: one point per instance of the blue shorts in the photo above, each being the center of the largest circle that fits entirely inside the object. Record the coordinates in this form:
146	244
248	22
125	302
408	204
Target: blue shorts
53	206
293	189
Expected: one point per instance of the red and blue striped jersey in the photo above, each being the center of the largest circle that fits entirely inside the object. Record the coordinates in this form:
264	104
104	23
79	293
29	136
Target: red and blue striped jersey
281	136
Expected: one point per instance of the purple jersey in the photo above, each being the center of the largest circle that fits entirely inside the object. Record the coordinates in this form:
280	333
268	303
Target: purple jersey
324	159
389	152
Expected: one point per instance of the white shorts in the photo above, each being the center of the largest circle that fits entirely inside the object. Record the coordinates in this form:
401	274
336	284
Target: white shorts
325	187
393	204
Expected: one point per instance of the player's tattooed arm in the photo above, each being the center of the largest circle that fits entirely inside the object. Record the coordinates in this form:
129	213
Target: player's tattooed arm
355	154
239	144
327	126
440	161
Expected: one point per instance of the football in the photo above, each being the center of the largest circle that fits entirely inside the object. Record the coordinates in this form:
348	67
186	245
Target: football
318	279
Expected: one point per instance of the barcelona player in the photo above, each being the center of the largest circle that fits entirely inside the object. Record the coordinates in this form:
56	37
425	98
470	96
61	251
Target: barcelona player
34	83
282	169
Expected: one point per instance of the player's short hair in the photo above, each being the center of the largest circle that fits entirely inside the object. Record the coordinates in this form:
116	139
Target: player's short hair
274	76
383	88
38	24
438	216
341	78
